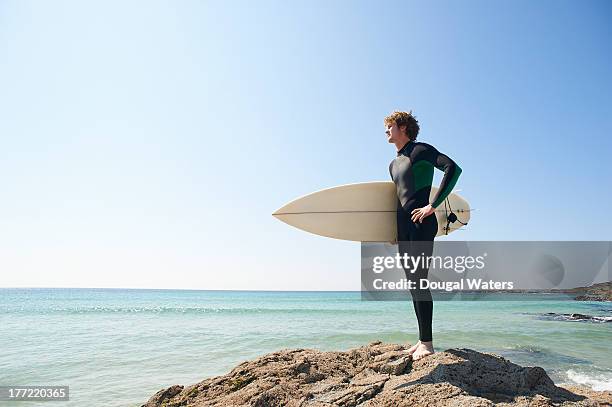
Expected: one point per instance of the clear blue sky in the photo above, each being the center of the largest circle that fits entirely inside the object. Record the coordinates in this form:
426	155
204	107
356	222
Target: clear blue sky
146	144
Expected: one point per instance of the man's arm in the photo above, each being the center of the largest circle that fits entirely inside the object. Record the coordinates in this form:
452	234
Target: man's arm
451	175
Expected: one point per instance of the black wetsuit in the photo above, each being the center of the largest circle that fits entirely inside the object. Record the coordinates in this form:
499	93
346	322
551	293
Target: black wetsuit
412	173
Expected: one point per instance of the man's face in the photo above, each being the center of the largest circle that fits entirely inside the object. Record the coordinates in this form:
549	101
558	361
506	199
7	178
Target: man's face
394	133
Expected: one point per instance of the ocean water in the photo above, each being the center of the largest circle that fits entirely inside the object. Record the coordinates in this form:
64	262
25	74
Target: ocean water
117	347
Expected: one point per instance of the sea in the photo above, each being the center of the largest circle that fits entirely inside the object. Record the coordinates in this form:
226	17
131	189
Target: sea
118	347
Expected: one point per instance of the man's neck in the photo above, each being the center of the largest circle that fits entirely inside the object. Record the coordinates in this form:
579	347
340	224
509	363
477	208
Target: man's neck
401	144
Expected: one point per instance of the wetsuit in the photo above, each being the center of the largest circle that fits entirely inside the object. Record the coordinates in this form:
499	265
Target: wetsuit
412	172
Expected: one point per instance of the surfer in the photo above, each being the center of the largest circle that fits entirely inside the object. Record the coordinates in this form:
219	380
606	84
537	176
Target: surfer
412	172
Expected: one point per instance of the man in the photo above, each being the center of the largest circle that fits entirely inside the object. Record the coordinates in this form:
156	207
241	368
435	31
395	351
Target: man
412	173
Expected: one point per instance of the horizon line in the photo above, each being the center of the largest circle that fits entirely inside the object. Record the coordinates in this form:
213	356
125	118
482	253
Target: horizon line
168	289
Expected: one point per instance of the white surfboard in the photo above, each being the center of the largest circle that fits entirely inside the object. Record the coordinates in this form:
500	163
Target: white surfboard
363	212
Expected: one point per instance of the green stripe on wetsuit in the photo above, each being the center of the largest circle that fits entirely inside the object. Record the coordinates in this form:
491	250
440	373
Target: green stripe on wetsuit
412	171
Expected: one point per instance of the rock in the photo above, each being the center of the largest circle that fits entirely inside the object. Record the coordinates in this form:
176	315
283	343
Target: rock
595	292
576	317
379	375
165	394
593	297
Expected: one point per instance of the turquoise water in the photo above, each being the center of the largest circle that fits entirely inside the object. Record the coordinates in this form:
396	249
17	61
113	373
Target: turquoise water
118	347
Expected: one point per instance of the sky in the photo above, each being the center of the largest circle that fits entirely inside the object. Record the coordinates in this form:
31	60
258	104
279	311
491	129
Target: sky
145	144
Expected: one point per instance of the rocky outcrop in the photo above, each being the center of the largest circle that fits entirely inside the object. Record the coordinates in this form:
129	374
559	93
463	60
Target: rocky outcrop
595	292
379	375
575	317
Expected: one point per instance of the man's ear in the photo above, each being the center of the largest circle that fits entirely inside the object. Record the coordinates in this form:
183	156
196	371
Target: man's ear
403	128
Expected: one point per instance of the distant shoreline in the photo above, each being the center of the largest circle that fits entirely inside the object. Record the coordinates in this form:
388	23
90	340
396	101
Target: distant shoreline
601	289
595	292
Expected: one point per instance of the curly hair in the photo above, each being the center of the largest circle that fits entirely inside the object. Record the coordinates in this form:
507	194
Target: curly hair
404	119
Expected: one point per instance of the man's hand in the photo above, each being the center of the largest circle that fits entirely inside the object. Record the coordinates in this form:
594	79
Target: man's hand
421	213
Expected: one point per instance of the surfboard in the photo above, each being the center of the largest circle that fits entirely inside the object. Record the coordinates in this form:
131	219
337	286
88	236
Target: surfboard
363	212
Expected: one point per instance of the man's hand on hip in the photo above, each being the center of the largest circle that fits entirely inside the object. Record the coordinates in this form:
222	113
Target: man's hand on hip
421	213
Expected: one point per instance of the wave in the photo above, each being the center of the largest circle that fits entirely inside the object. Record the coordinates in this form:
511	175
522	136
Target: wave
596	381
526	348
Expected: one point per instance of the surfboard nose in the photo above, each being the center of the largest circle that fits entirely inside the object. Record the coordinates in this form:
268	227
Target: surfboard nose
280	211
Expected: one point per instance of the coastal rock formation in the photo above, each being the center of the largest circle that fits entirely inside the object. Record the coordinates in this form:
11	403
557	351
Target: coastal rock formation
595	292
379	375
576	317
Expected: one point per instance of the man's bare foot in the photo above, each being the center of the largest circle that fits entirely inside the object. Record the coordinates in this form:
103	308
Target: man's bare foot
423	349
413	348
